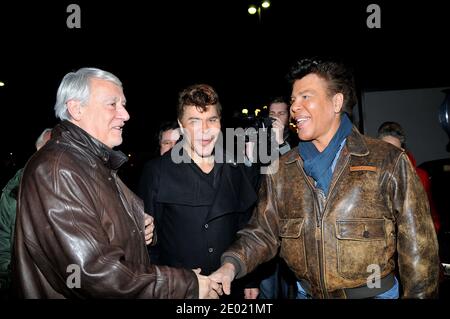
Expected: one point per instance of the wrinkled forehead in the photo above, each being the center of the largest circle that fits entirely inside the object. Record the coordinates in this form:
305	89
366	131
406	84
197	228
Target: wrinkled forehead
105	89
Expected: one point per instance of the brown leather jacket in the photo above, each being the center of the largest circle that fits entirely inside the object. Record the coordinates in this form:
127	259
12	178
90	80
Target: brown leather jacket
76	215
376	213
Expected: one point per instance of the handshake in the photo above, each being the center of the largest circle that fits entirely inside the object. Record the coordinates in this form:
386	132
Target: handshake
219	283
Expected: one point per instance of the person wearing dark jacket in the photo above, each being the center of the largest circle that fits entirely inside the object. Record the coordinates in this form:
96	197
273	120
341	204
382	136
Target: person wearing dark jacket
198	204
80	232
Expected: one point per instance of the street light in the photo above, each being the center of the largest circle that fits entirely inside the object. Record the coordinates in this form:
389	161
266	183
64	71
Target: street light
2	83
252	9
265	4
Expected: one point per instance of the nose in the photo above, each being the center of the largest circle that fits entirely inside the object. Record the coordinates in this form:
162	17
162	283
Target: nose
123	113
205	126
295	107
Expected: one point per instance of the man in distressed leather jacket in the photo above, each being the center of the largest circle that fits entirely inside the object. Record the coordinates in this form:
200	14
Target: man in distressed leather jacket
80	232
349	211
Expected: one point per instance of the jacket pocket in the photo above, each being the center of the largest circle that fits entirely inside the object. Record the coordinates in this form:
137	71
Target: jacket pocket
293	245
360	243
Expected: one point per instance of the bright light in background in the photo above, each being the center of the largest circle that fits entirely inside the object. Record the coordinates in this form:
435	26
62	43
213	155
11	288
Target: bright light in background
2	83
257	112
265	107
252	9
265	4
244	111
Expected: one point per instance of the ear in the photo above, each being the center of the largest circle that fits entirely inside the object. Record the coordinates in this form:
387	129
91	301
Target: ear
338	102
75	110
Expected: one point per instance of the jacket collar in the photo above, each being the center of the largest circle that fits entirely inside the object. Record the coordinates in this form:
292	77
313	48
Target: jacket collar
355	145
178	185
72	134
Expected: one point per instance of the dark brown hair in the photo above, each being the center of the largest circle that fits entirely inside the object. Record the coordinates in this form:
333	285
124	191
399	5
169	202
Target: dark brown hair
392	129
200	96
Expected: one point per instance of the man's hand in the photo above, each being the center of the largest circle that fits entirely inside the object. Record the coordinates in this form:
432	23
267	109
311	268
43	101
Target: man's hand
278	127
149	227
224	275
251	293
207	289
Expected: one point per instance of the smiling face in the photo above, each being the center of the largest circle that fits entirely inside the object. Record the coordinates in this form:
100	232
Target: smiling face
201	129
104	115
316	114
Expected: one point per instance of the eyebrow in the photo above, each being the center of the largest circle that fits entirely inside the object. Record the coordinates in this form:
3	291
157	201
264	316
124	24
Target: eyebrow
197	118
306	91
116	99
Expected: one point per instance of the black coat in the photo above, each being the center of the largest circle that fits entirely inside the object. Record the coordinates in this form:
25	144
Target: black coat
195	223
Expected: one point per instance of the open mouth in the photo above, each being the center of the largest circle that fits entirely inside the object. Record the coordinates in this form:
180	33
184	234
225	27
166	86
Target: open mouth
301	121
119	128
205	142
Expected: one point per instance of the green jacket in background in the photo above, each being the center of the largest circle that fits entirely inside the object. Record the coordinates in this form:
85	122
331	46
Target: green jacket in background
7	221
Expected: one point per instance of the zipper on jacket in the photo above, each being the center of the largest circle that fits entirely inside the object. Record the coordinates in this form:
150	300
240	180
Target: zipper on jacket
347	160
319	221
318	232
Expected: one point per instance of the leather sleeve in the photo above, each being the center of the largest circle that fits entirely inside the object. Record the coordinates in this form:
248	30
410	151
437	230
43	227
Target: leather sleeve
258	241
417	245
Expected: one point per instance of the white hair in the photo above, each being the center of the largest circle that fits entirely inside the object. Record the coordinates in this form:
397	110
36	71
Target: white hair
40	140
75	86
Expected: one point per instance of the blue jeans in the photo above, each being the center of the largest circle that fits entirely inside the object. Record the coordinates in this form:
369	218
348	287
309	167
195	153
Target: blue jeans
269	287
274	286
392	293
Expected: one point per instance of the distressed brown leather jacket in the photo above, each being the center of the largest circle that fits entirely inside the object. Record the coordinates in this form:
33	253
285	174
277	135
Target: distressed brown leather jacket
76	217
376	213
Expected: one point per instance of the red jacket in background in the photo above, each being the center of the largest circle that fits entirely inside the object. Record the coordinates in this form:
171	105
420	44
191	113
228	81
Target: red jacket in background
425	178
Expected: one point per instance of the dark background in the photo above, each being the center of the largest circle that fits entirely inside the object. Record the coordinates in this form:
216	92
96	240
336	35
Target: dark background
157	48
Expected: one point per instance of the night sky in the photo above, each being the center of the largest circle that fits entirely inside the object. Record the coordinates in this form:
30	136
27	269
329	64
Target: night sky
157	48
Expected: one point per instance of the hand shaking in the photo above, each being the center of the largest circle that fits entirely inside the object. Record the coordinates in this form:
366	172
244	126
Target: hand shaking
224	275
207	288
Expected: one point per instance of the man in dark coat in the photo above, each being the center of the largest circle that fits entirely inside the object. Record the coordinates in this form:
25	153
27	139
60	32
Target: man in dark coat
199	202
